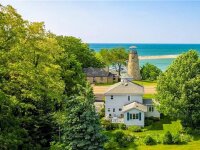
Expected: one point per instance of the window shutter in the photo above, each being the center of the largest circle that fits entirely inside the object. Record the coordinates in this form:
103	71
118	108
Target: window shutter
127	115
139	115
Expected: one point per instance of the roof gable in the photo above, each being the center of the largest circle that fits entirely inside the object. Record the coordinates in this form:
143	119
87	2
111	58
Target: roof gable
125	88
135	105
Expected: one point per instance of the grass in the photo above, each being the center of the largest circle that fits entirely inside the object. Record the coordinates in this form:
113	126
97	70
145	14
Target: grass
146	83
157	130
148	96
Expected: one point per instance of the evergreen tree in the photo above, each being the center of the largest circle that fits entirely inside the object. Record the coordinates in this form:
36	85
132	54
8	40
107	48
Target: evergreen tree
82	127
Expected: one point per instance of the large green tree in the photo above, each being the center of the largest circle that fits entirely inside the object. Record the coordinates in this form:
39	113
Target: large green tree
116	57
80	50
150	72
38	78
82	127
178	89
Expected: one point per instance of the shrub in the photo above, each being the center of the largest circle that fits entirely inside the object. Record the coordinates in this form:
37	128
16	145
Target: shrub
122	139
149	140
148	122
186	138
167	139
114	126
122	126
110	145
135	129
176	138
106	124
102	113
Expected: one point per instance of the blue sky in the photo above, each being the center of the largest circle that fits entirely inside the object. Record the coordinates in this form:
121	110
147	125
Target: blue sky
116	21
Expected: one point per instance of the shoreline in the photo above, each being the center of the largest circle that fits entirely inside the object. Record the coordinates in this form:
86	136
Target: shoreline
157	57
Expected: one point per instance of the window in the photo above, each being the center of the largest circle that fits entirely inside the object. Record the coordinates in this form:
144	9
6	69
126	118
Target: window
131	116
136	117
111	97
122	115
127	115
151	108
109	115
113	109
108	109
120	109
129	98
139	115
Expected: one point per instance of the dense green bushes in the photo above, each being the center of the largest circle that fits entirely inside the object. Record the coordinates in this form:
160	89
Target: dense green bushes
135	129
107	125
167	139
149	140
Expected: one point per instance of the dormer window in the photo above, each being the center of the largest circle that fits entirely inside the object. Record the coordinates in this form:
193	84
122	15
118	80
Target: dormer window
111	97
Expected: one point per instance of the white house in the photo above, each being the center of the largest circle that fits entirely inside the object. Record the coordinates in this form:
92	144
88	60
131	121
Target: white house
124	104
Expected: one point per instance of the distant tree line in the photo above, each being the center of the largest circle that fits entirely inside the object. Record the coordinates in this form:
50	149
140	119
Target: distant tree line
45	101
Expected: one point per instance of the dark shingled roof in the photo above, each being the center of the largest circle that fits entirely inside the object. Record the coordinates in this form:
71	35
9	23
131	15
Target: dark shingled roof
147	101
97	72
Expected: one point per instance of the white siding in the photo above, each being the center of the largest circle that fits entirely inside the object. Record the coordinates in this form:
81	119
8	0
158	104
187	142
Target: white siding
155	113
135	122
118	102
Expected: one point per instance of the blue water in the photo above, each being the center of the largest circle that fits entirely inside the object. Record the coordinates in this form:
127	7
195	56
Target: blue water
151	50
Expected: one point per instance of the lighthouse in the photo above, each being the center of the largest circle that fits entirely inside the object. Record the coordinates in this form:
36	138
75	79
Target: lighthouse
133	64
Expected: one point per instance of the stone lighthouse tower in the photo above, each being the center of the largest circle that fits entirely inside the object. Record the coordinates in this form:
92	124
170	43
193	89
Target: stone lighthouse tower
133	64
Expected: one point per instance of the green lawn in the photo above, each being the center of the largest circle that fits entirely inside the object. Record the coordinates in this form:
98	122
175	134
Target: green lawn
148	96
146	83
157	131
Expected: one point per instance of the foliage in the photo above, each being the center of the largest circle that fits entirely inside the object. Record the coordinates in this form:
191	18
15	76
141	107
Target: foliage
178	90
115	56
82	52
122	126
167	139
102	112
135	129
150	72
37	81
149	140
110	145
82	126
176	138
122	139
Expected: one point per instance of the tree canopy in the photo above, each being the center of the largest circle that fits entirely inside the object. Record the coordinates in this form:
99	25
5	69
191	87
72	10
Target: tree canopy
178	89
150	72
116	57
38	79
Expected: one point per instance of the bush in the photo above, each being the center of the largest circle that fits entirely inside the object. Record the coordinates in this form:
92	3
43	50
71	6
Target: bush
149	140
110	145
102	113
122	139
106	124
122	126
148	122
177	139
167	139
135	129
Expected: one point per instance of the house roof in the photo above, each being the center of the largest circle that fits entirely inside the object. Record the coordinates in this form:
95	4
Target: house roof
124	88
134	105
147	101
97	72
99	98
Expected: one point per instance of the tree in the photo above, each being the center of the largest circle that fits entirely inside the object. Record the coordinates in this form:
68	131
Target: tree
116	57
150	72
82	127
80	50
178	89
